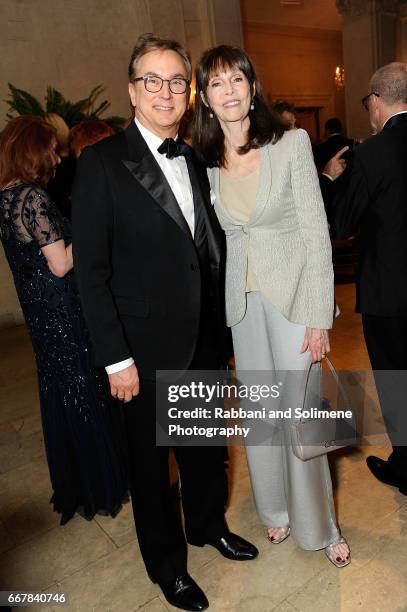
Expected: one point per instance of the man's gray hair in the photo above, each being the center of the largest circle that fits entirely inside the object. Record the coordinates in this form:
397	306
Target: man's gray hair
150	42
390	82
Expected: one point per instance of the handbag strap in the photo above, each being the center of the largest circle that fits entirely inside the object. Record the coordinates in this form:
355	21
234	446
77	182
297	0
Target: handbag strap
336	377
339	383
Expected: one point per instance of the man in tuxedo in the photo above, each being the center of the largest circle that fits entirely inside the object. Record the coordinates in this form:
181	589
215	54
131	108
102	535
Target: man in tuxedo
149	259
375	202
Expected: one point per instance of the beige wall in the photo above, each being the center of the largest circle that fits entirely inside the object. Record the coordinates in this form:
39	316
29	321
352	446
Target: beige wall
320	14
296	50
298	64
71	45
74	45
374	34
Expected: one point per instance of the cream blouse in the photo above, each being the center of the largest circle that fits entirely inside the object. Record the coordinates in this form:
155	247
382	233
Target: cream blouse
239	197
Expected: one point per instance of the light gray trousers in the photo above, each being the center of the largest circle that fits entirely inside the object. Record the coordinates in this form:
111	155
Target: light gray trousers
287	491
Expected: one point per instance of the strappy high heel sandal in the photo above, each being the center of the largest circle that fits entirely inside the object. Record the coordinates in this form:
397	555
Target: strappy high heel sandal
335	556
285	533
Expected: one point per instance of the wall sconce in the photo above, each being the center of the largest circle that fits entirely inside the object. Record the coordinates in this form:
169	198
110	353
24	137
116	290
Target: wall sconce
192	95
339	77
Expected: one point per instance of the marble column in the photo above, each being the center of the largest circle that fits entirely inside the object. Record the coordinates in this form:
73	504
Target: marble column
374	33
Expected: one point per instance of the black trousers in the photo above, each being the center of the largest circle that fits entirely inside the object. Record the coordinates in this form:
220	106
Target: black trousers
203	477
386	341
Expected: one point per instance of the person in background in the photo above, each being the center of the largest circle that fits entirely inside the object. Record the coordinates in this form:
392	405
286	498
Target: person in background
279	278
81	423
286	112
334	142
373	203
60	186
81	135
87	133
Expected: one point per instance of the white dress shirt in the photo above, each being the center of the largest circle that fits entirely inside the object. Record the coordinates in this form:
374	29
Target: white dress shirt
176	172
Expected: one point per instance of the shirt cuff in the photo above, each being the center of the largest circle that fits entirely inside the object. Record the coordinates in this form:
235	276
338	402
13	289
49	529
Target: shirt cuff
328	176
120	365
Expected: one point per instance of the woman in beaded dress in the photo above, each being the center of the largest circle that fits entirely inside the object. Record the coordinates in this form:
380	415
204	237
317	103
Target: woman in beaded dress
81	422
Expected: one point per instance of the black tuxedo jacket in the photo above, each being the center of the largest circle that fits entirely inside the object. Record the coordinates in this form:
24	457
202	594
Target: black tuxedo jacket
374	201
136	263
324	151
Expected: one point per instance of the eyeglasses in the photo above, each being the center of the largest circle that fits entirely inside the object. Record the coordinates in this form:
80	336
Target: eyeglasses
154	84
365	100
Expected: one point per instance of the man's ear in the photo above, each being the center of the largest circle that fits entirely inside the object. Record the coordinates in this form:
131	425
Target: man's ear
203	99
132	95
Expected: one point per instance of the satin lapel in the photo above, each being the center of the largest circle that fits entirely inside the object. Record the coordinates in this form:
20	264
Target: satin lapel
204	208
148	173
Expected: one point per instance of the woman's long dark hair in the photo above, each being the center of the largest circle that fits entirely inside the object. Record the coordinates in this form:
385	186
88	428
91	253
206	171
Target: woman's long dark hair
207	136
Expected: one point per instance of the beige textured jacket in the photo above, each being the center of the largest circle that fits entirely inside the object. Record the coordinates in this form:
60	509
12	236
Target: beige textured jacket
286	237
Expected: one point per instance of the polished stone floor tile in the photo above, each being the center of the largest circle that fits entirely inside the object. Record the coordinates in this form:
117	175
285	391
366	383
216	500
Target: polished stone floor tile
260	584
120	529
17	450
6	539
155	605
52	556
31	518
99	565
116	582
21	484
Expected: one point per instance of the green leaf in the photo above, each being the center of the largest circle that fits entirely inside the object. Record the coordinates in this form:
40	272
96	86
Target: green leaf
55	101
23	102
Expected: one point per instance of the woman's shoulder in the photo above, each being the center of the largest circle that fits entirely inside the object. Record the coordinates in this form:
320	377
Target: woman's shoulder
290	137
27	192
34	194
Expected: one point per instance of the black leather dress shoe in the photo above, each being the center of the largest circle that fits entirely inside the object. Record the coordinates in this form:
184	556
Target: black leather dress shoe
234	547
383	471
184	593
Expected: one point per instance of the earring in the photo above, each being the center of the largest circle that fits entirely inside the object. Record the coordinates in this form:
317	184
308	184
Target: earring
252	105
211	115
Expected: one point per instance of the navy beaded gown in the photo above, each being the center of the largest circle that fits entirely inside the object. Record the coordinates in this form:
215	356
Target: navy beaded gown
81	422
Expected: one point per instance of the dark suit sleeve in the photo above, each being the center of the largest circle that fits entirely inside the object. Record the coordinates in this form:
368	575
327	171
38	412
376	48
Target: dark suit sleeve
92	221
349	202
327	190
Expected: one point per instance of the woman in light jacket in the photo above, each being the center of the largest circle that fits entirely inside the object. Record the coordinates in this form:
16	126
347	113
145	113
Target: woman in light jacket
279	278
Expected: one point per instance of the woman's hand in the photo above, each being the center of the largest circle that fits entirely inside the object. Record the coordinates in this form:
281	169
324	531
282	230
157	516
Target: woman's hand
317	342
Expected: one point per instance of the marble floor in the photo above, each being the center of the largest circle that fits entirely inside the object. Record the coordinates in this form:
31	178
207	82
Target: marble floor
98	564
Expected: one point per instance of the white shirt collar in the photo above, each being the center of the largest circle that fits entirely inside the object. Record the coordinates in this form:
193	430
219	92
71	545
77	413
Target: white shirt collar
153	141
399	113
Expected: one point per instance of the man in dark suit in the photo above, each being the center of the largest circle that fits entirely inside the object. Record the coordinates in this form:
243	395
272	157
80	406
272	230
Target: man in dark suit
149	258
335	141
375	201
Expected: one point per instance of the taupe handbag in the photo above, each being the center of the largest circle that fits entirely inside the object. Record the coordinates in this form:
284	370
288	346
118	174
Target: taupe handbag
314	435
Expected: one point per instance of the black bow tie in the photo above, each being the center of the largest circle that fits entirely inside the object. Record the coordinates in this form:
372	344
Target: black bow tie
174	148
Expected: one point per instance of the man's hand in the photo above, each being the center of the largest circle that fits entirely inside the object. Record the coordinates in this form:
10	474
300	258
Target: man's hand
336	165
125	384
316	341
